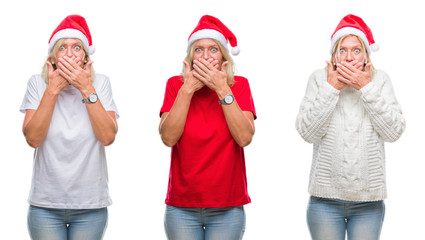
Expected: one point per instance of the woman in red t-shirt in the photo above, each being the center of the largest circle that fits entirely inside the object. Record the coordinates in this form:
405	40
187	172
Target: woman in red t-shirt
207	118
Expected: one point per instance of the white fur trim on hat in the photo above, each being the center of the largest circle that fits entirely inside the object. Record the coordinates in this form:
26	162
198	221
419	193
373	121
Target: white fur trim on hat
70	33
207	33
347	31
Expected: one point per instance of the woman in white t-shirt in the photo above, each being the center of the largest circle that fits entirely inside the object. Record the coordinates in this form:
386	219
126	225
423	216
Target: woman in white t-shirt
70	116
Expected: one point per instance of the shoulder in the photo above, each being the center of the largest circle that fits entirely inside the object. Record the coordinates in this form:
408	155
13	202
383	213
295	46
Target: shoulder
319	74
37	82
36	78
101	81
241	87
380	74
240	81
318	77
99	77
380	77
175	81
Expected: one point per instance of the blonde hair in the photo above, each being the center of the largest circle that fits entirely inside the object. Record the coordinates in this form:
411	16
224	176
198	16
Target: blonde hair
336	53
52	56
226	57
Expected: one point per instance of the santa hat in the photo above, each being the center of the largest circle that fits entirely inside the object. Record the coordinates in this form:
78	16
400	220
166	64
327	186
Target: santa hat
212	27
354	25
73	26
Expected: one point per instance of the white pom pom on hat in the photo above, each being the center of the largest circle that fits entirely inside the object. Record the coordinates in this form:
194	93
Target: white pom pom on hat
374	47
352	24
211	27
235	51
73	26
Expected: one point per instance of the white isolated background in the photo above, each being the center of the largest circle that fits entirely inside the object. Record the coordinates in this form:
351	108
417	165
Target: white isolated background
140	44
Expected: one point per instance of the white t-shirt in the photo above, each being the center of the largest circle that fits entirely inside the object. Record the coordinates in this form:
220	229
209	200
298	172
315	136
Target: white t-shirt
70	170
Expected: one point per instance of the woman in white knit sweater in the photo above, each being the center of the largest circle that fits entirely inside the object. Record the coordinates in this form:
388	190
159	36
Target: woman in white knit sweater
348	112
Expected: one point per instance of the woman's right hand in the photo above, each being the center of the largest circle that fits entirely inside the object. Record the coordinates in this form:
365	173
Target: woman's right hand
191	83
56	81
333	77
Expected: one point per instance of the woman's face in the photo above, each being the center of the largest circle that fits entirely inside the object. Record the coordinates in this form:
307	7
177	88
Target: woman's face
72	48
351	49
207	48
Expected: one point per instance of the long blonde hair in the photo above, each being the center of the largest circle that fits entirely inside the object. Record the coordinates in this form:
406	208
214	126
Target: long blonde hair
336	53
52	56
226	57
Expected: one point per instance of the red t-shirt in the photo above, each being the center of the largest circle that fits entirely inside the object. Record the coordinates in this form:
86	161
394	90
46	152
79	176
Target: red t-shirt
207	165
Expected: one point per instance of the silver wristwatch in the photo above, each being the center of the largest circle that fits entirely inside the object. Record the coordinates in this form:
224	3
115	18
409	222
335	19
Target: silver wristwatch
228	99
91	99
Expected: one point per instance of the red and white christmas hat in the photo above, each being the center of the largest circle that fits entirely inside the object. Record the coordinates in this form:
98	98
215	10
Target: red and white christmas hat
212	27
354	25
73	26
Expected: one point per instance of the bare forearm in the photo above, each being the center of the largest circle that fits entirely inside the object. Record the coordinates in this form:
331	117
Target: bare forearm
172	123
103	123
241	124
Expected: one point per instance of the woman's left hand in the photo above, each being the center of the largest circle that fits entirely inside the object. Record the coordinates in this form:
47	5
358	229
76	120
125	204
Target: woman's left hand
70	69
209	73
353	74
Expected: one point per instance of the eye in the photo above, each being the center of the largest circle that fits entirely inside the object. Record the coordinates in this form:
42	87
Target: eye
62	48
214	49
198	50
77	47
342	50
357	50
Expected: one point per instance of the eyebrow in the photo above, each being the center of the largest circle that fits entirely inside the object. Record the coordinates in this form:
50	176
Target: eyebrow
359	47
73	45
209	46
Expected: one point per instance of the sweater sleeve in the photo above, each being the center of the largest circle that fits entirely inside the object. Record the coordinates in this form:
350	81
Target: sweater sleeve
316	108
383	109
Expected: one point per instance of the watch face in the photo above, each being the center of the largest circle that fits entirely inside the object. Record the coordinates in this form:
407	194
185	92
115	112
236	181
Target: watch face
228	99
93	98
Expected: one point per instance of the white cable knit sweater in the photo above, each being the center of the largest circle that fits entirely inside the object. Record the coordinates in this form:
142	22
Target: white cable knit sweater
348	129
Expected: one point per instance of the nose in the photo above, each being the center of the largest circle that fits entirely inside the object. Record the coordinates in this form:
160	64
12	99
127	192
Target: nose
205	55
349	57
69	52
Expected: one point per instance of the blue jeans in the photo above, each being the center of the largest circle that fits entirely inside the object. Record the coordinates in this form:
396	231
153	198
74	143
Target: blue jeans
332	219
204	223
62	224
